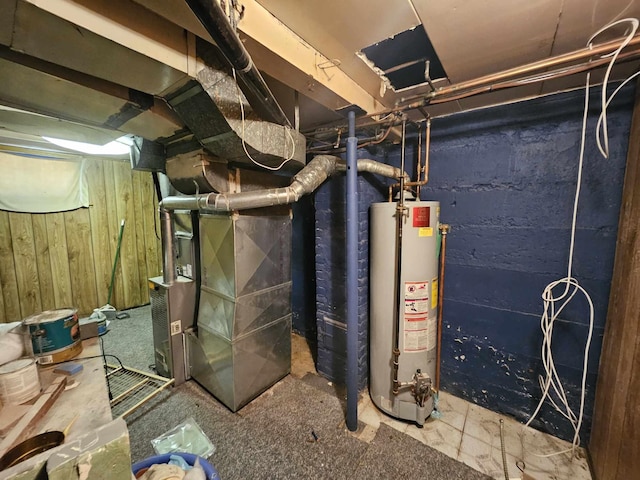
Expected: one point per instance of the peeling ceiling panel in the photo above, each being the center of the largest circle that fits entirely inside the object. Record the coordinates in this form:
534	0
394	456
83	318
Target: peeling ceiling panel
477	38
351	25
339	29
402	59
581	19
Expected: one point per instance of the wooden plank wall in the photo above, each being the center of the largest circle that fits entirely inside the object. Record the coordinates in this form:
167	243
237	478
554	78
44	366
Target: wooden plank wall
56	260
615	436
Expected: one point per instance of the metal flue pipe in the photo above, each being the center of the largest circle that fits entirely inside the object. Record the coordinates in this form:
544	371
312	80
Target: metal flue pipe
214	20
169	273
305	182
352	275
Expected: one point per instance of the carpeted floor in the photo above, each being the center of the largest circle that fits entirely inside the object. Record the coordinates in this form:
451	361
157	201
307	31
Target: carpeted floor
271	438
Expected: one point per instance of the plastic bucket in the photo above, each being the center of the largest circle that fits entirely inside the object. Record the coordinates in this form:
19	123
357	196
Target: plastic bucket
209	470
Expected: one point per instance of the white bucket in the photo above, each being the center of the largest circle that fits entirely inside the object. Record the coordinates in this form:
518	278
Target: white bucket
19	381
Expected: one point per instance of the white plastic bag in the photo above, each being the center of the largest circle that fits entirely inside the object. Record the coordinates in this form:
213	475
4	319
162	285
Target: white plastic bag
187	437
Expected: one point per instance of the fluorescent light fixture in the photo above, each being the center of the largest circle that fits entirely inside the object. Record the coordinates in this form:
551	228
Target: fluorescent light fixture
119	146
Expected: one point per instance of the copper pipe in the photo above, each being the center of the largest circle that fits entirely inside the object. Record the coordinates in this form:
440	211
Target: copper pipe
576	55
534	78
444	230
484	84
427	146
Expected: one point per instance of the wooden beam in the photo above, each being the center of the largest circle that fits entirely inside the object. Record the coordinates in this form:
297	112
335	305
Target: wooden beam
265	29
615	435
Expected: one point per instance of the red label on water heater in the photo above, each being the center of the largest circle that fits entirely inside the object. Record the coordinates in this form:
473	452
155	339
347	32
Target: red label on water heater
421	216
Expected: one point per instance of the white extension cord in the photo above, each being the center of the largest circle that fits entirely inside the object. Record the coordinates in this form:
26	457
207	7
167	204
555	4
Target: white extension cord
551	380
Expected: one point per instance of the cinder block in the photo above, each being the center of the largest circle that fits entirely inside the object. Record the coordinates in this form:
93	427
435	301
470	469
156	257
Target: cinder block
104	454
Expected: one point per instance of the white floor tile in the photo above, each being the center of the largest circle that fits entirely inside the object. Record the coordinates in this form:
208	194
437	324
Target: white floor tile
438	435
485	458
557	467
370	415
453	410
485	425
399	425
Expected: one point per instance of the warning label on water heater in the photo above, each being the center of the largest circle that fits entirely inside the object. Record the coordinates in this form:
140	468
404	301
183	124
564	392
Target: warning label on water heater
416	316
419	333
415	341
416	298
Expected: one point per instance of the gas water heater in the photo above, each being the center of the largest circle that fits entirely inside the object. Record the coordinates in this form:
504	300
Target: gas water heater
417	309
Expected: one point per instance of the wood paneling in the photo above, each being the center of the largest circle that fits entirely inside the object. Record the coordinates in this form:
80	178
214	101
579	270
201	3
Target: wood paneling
65	259
99	230
113	227
615	435
45	278
57	236
81	259
24	256
8	272
128	255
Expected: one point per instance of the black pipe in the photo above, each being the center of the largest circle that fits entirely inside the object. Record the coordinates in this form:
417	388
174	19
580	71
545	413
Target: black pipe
400	214
214	20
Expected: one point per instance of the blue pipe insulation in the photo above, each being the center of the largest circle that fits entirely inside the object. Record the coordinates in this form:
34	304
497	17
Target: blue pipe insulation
352	275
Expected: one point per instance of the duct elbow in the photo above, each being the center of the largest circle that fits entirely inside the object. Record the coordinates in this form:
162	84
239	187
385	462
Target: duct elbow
382	169
377	168
314	174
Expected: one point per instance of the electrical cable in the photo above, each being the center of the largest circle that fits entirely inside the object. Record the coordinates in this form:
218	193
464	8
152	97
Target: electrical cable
106	369
74	360
244	145
614	55
551	382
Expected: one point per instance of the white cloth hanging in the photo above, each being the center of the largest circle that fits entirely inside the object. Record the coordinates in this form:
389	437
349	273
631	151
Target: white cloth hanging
37	185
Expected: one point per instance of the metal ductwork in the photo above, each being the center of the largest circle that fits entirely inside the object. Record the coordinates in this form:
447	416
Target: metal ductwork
305	182
210	107
253	85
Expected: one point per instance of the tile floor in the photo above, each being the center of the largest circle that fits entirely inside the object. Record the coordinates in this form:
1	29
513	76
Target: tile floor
470	434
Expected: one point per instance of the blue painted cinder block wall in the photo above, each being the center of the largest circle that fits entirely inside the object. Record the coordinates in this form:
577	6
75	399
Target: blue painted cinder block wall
505	177
331	276
303	271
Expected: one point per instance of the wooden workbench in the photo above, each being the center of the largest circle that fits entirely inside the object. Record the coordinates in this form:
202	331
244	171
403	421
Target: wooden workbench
85	401
89	400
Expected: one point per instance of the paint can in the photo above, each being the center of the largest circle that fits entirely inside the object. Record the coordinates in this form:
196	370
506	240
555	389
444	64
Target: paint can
19	381
101	319
55	335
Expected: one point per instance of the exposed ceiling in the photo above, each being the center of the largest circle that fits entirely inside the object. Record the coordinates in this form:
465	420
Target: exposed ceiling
94	69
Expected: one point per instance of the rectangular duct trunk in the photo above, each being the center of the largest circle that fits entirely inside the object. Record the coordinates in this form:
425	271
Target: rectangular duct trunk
243	340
